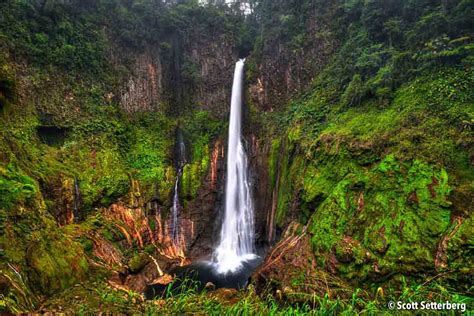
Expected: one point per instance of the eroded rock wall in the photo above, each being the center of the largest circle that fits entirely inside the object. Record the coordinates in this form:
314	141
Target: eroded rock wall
296	43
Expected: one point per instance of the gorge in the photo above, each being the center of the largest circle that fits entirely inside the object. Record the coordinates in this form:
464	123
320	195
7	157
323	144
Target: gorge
235	157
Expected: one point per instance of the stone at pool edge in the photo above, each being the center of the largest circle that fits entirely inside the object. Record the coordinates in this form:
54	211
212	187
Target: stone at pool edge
225	295
210	286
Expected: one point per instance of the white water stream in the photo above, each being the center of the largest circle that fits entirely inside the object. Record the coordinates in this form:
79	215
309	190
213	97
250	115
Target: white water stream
176	208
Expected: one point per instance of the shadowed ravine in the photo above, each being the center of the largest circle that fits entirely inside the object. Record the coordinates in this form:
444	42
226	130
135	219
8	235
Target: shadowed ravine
235	256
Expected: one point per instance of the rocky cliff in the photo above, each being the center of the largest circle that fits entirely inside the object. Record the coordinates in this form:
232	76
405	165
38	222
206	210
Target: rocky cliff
360	163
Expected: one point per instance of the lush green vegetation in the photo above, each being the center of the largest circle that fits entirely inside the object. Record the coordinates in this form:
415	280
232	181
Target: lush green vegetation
97	296
370	147
377	152
62	127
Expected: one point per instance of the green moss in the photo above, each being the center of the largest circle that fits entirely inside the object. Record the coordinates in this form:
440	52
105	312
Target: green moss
380	171
194	172
15	187
103	177
273	162
56	262
150	150
138	262
199	131
284	187
323	173
460	240
150	249
396	211
291	176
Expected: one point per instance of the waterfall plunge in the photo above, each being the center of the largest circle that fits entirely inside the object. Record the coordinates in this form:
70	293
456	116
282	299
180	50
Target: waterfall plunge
237	233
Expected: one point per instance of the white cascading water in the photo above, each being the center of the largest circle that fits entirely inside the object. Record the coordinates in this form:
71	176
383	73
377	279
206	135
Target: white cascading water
237	233
174	213
176	208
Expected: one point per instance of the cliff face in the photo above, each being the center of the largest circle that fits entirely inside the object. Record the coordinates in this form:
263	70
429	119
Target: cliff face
359	164
184	72
215	58
143	90
296	42
89	115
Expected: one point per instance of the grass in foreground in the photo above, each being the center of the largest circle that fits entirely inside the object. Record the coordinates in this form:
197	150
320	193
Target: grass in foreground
95	297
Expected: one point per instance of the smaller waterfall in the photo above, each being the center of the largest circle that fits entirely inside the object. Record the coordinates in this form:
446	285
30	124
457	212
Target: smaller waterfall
176	208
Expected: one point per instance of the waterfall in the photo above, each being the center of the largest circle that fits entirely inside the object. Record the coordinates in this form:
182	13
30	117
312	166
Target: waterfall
175	212
176	208
237	234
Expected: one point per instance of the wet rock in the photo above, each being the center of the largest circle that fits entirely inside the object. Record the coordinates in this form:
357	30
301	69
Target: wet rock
225	295
210	286
105	251
138	262
136	282
143	90
264	197
285	71
203	211
163	280
151	273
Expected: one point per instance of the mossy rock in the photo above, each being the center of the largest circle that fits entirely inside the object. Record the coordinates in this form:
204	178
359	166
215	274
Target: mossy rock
15	187
56	262
384	220
138	262
15	296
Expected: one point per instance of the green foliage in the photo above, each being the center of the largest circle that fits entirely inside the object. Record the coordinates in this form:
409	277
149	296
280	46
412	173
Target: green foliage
151	141
92	297
15	187
199	131
379	144
354	92
55	38
56	262
190	71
